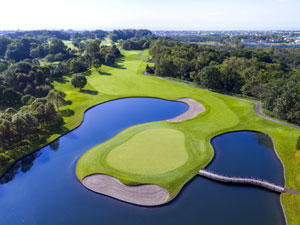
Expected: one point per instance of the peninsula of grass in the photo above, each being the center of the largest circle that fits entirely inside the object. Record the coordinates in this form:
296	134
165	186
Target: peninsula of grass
223	114
166	148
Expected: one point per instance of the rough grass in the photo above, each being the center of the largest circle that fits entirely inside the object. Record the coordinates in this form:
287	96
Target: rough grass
223	114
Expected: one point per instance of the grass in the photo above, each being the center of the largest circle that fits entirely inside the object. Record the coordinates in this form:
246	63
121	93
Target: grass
223	114
153	151
142	151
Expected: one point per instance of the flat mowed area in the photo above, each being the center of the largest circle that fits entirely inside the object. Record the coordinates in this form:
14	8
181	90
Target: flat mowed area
150	152
223	114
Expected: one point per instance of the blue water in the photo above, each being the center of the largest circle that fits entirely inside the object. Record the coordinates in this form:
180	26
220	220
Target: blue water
43	190
246	154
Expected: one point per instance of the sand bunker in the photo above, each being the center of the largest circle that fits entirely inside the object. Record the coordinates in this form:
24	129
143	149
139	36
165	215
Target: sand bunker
146	195
194	109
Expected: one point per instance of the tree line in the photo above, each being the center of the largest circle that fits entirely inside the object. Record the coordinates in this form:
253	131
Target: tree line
270	75
30	107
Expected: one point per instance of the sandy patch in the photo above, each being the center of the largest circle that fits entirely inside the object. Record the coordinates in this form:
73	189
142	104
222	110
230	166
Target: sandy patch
145	195
195	108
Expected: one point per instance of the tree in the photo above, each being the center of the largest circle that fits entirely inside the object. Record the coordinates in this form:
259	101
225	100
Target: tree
78	81
231	77
44	111
4	42
18	49
109	59
93	49
2	135
20	125
3	66
210	77
11	97
57	98
6	133
57	46
149	69
287	105
79	65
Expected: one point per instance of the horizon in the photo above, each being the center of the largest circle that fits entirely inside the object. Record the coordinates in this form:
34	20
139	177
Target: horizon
154	30
215	15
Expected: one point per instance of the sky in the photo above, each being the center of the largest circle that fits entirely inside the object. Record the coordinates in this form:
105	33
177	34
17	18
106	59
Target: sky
150	14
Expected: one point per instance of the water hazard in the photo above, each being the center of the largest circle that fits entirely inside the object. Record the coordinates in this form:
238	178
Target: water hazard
43	188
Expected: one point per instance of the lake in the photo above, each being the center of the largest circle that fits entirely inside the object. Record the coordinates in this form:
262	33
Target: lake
43	189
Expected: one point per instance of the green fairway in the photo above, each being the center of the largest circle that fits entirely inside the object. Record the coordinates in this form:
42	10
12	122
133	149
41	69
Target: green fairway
223	113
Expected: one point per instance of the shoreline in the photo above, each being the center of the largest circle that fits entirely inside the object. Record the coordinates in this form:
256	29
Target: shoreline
143	194
55	137
195	108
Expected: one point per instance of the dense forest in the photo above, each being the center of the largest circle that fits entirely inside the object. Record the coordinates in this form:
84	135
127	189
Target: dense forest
270	75
30	107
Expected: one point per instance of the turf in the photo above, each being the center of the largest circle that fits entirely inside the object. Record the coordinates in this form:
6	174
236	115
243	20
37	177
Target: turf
223	114
153	151
150	152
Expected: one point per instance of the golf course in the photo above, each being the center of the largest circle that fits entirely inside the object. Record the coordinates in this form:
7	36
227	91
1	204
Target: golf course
169	154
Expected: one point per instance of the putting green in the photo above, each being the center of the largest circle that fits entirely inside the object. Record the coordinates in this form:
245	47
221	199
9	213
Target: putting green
152	151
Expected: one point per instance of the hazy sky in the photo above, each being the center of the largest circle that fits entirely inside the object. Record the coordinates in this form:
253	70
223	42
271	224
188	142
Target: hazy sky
151	14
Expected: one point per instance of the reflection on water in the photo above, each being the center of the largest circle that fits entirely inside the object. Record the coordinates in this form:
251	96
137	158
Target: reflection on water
246	154
22	165
264	140
25	164
54	145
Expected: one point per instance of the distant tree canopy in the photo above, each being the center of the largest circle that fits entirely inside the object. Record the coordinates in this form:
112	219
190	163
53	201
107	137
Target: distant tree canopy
40	35
27	48
93	49
19	49
267	74
127	34
96	34
135	44
24	78
4	42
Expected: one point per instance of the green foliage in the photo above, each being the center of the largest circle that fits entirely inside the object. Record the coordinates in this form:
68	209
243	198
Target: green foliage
93	49
210	77
4	42
57	46
78	81
40	35
127	34
135	44
96	34
19	49
259	73
3	66
57	98
79	64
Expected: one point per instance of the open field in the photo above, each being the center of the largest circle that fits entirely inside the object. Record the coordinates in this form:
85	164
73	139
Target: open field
223	114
